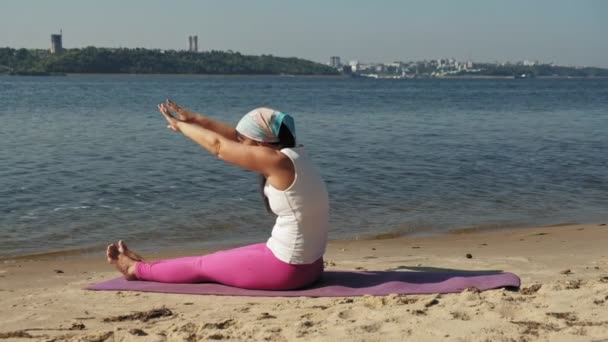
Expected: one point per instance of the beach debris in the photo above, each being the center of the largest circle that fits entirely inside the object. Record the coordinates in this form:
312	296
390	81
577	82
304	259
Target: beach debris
304	328
604	279
143	316
602	224
573	284
415	247
101	337
532	327
137	332
189	303
418	312
567	316
373	248
307	324
566	272
431	302
531	289
266	315
469	256
461	315
538	234
16	334
216	337
77	326
404	300
58	271
220	325
306	315
371	328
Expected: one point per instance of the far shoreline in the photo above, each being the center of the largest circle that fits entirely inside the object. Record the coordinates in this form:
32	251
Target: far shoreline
343	76
203	75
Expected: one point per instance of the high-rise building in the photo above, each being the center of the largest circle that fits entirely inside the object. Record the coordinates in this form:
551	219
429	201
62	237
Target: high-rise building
334	61
193	43
56	43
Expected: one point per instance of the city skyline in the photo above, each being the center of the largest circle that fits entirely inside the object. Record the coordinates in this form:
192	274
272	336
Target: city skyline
562	32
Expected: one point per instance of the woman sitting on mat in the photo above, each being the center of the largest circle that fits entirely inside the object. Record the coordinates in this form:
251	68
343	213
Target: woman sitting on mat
263	141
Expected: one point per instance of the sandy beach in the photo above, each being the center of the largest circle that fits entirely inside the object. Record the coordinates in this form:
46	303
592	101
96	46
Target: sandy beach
564	296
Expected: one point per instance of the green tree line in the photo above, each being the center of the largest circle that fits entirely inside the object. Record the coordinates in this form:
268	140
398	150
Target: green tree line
146	61
535	70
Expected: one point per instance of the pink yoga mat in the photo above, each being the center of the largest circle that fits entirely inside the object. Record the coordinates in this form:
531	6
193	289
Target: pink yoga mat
339	284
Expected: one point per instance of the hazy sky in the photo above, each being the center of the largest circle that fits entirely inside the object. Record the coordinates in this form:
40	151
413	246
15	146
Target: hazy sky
565	32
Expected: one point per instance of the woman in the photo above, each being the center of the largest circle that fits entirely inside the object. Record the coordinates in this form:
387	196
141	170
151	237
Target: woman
263	141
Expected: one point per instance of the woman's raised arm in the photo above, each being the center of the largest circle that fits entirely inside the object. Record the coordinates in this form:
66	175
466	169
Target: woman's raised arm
269	162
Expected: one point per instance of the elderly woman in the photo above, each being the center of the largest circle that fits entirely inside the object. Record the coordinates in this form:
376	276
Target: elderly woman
263	141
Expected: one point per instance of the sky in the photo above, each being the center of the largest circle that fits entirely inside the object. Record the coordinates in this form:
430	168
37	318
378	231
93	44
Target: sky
565	32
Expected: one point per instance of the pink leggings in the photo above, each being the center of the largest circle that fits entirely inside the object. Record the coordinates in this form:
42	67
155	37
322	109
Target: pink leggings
249	267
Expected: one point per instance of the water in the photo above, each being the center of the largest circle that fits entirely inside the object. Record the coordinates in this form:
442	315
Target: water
86	160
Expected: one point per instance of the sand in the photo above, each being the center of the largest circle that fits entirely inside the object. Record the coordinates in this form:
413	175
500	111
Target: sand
564	296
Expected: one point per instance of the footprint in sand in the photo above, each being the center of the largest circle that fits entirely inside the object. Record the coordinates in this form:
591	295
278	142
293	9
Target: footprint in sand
461	315
305	328
346	314
371	328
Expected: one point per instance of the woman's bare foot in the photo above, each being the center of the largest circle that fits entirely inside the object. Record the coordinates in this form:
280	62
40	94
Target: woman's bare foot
122	261
129	252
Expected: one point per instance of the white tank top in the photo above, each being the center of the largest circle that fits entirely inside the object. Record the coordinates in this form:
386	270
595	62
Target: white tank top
299	235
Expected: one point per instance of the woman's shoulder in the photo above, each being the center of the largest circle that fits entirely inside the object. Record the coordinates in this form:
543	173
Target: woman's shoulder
294	152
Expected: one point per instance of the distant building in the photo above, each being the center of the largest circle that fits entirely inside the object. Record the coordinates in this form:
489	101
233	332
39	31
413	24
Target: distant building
334	62
193	43
56	43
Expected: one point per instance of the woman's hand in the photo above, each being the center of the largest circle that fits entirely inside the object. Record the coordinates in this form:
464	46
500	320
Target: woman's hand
182	113
173	122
